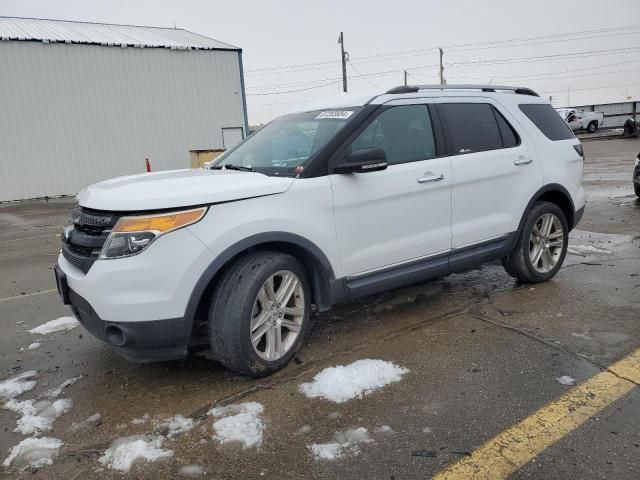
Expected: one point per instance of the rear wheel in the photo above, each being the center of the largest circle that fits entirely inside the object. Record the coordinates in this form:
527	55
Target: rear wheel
260	313
541	245
592	127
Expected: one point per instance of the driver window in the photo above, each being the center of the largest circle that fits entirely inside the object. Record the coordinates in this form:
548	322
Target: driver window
404	132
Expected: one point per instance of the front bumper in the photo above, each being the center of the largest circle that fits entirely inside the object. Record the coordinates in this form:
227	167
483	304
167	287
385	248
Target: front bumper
146	341
138	305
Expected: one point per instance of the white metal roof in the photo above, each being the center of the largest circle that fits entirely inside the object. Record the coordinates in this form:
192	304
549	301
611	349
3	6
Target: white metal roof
64	31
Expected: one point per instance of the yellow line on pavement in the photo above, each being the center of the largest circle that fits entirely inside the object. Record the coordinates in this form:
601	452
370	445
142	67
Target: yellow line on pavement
514	447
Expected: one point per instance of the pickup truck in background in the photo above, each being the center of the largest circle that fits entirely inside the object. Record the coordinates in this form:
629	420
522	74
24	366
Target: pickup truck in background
581	119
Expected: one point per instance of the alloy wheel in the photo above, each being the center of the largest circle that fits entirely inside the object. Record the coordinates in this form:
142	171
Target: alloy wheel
546	243
277	315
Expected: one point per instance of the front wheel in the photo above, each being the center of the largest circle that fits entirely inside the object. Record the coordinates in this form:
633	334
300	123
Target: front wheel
636	187
260	313
592	127
541	245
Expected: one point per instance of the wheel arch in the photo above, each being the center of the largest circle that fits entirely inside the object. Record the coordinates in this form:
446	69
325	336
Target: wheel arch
553	193
323	285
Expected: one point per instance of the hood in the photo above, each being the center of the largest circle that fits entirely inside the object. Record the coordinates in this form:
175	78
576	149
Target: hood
178	188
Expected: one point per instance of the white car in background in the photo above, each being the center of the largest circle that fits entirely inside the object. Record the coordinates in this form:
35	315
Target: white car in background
581	119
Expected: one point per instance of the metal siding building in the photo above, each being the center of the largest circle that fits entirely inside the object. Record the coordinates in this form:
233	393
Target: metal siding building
85	102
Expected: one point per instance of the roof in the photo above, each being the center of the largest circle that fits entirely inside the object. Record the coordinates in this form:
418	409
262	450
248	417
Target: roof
65	31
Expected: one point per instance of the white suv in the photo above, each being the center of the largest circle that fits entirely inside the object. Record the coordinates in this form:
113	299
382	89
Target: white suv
319	207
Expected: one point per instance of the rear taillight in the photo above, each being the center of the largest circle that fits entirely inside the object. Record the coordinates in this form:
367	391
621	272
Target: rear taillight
578	148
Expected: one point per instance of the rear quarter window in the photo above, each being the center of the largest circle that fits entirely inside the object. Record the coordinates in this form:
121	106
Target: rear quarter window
547	120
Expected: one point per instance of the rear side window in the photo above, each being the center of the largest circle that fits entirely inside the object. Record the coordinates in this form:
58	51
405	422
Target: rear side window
509	136
547	120
473	127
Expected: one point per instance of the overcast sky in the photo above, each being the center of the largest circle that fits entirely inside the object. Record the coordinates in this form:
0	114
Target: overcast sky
384	38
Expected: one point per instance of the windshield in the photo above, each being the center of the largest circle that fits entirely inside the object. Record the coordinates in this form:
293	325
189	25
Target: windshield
284	146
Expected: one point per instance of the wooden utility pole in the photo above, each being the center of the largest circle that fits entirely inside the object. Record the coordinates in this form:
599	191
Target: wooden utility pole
344	62
405	78
442	81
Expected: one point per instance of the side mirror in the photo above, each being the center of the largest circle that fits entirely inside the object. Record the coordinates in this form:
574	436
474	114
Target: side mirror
363	160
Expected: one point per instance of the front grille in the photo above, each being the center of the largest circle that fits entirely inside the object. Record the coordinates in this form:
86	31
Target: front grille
83	240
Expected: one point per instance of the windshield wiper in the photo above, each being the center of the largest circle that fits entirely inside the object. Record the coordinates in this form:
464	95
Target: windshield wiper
230	166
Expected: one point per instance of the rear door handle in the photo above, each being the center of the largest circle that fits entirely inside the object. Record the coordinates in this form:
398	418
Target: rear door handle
431	177
523	161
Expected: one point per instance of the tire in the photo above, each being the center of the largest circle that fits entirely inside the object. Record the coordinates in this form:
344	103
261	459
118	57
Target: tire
519	263
636	187
240	302
592	127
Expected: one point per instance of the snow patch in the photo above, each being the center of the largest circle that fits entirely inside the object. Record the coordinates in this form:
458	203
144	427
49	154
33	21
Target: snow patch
566	380
584	336
344	382
56	392
143	419
12	387
622	195
383	430
57	325
125	452
37	416
92	421
33	453
586	250
176	425
239	423
304	429
345	444
34	346
191	471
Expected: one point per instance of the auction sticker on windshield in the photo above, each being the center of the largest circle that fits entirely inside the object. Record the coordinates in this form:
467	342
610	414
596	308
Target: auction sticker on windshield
341	114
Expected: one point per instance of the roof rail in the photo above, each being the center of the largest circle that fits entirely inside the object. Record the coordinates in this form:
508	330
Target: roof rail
484	88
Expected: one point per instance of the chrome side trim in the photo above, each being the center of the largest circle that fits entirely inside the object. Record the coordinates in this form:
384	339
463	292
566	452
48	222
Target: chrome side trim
484	240
396	265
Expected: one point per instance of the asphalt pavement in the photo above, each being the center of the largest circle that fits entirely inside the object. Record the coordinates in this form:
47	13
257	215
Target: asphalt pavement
483	353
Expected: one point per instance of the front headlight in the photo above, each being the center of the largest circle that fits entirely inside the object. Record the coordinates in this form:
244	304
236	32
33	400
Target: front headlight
131	235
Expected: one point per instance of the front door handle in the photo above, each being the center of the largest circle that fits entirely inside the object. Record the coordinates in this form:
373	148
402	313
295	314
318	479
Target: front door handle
523	161
431	177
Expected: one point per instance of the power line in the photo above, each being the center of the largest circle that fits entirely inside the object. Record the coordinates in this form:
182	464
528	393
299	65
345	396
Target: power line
562	37
477	47
336	79
588	53
544	37
581	75
364	78
433	51
568	71
594	88
291	91
468	64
